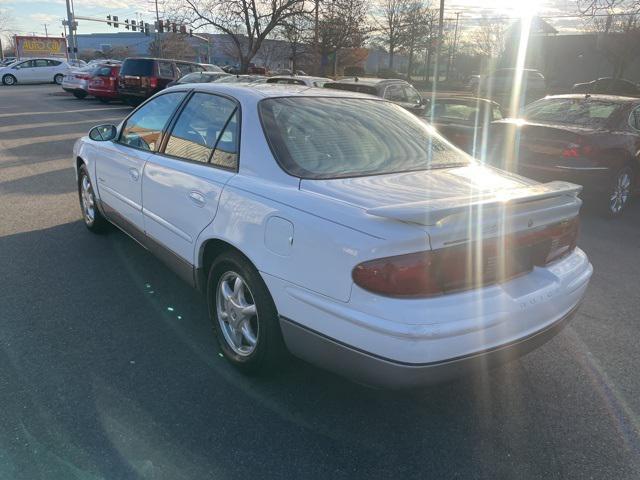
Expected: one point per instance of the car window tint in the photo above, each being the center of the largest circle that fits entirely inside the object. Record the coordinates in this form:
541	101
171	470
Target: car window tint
104	72
572	111
343	137
165	70
412	94
144	128
634	119
395	93
53	63
455	111
200	125
40	63
195	77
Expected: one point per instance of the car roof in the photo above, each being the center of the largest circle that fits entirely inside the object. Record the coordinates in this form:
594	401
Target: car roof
463	98
370	80
268	90
608	98
298	77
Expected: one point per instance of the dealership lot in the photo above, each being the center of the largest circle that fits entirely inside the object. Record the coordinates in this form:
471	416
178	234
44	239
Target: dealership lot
109	368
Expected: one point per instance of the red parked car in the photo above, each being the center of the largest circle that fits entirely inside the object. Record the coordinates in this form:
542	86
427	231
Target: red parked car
104	83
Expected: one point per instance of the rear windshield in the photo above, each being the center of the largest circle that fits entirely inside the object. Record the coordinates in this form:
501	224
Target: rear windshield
321	138
352	87
572	111
137	67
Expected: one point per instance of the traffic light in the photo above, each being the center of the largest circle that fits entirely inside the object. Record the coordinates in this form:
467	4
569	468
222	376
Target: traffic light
146	29
126	23
159	27
190	33
133	26
183	29
115	21
174	29
109	20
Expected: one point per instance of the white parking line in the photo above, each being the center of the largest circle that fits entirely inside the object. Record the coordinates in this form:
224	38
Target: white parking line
91	121
22	114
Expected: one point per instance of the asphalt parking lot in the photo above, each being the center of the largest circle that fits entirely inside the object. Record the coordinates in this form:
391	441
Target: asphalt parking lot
109	368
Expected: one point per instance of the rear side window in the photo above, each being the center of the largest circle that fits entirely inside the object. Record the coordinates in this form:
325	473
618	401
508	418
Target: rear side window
208	122
572	111
165	70
143	129
53	63
352	87
103	72
455	111
395	93
634	118
140	67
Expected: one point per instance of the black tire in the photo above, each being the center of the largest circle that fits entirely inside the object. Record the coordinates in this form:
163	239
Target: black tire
79	94
9	80
98	223
269	348
57	79
104	99
619	195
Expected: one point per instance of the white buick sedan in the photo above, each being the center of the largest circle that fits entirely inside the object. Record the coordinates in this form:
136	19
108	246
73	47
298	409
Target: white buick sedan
339	227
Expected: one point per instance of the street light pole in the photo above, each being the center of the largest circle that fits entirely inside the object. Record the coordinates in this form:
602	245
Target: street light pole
71	38
159	45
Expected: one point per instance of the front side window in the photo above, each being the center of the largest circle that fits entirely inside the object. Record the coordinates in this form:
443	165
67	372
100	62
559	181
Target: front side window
321	138
40	63
207	122
144	128
22	65
53	63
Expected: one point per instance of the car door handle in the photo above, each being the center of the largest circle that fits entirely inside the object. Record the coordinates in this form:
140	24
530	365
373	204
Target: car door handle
133	172
197	198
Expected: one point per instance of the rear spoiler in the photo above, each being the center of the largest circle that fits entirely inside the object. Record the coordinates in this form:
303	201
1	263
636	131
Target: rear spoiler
430	212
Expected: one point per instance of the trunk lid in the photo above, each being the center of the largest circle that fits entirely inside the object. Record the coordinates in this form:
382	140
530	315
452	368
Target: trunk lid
522	144
455	205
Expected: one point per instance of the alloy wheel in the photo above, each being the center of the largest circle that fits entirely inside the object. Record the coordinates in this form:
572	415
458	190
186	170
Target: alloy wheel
86	198
237	313
621	192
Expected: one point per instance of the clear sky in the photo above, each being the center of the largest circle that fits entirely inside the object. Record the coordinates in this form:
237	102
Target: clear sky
30	16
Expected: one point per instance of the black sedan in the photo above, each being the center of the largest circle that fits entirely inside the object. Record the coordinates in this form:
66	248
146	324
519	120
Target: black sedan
591	140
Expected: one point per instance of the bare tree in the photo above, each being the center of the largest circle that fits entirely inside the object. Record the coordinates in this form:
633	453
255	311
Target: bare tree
391	17
488	39
418	30
247	22
172	45
342	24
5	26
618	31
297	32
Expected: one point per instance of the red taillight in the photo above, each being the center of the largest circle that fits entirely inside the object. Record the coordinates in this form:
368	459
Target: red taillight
82	76
153	82
574	150
464	267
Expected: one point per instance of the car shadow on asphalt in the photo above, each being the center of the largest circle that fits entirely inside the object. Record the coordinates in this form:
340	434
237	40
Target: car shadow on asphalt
55	182
110	367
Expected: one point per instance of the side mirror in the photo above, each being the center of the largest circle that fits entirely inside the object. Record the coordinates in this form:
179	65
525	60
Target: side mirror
103	133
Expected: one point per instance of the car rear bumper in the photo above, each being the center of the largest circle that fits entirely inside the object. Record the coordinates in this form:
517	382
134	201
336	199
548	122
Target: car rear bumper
103	93
135	92
403	343
370	369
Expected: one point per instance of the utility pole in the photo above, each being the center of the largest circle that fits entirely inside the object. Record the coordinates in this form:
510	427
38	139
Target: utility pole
438	46
158	43
71	38
452	48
